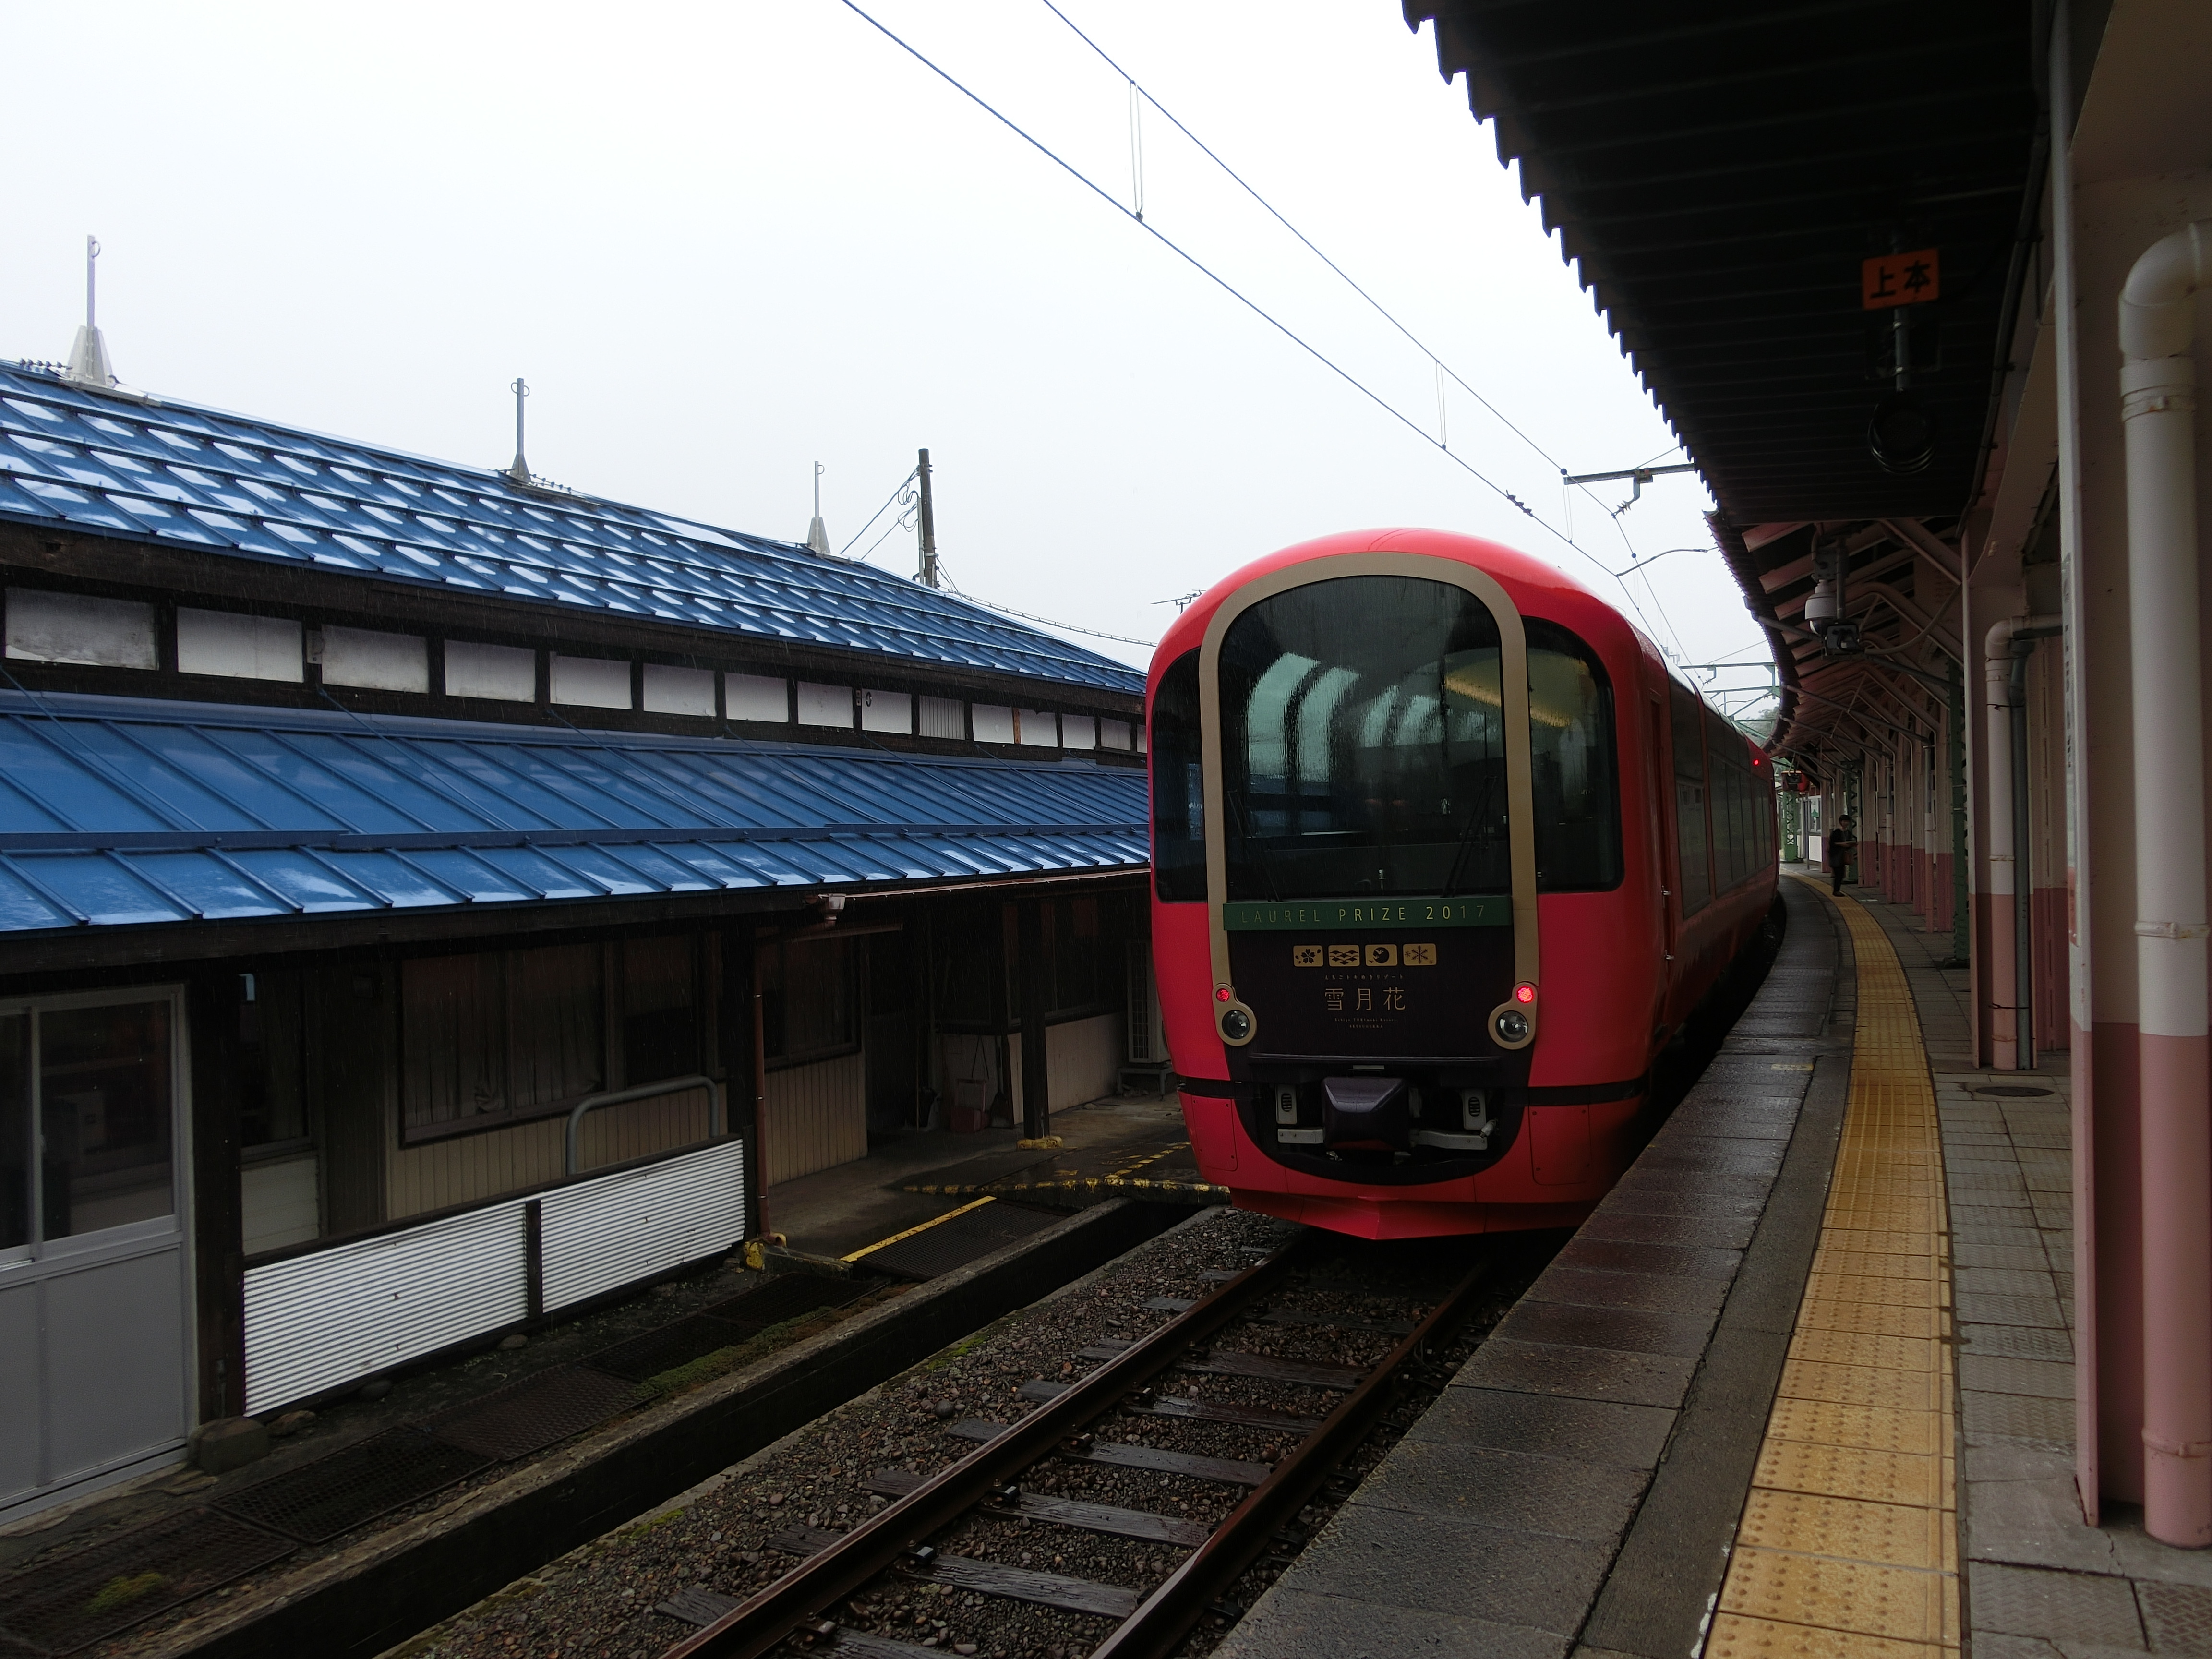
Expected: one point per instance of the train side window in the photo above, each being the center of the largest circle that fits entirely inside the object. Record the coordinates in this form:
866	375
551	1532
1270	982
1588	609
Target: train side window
1731	776
1178	794
1574	763
1691	840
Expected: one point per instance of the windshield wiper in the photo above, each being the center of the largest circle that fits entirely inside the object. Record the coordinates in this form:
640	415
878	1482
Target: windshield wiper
1255	854
1475	821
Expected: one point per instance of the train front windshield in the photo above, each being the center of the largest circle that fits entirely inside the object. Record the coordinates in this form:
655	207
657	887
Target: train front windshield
1363	749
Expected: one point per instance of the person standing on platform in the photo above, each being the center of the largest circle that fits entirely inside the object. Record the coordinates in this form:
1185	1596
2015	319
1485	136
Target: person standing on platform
1842	845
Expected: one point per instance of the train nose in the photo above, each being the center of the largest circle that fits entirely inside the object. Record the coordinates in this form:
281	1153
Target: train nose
1366	1111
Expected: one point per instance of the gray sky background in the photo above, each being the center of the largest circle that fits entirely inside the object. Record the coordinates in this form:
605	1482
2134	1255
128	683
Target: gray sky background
723	242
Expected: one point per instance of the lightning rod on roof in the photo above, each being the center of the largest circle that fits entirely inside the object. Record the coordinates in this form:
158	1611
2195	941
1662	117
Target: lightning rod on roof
88	362
520	470
817	537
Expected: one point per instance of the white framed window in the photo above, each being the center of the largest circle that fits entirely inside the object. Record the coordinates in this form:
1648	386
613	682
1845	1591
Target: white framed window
825	705
77	629
498	673
670	691
237	646
590	682
379	662
886	711
756	697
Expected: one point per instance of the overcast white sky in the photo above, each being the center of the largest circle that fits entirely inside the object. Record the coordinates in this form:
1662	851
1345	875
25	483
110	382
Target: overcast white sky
723	242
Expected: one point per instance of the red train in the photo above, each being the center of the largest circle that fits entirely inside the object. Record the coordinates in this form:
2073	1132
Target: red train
1442	859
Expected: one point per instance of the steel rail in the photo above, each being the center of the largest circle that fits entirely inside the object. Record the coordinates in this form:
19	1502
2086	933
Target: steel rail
1159	1623
1166	1616
802	1595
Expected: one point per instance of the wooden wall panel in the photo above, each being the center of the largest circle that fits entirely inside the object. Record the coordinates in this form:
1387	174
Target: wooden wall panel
1083	1060
279	1204
817	1117
471	1169
352	1082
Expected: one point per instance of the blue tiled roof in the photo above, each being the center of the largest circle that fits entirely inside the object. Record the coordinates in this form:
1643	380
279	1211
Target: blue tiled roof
120	811
170	473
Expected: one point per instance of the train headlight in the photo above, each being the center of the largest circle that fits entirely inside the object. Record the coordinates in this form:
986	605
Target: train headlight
1237	1024
1511	1025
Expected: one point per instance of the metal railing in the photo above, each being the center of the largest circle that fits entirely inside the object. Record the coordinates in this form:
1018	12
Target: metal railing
670	1085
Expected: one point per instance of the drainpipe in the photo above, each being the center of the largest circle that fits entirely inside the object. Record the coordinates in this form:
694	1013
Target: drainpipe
2024	631
1961	919
2009	938
2158	403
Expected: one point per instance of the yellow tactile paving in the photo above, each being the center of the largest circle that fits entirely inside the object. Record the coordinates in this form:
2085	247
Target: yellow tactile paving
1884	1289
1866	1264
1860	1598
1827	1423
1850	1528
1848	1545
1873	1319
1900	1353
1875	1241
1836	1471
1734	1636
1865	1384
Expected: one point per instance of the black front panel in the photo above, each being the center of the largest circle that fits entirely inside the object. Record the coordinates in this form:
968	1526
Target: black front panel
1387	994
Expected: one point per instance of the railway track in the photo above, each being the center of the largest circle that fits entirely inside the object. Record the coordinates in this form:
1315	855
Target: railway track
1008	1478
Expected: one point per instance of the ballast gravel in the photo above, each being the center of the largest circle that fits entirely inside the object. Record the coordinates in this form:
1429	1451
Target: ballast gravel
598	1599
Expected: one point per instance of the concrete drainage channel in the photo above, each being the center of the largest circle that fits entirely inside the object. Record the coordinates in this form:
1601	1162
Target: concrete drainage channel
367	1596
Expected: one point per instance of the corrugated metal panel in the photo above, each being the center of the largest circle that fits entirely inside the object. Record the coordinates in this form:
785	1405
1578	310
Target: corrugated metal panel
320	1321
604	1233
169	472
117	810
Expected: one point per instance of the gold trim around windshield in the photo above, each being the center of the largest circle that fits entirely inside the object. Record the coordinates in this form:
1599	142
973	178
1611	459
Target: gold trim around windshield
1520	795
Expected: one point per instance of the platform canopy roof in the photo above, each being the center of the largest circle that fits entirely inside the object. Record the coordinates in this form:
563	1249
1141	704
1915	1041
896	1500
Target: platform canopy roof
116	811
1718	171
175	474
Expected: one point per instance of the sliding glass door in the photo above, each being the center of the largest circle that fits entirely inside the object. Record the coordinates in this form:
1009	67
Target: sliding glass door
93	1288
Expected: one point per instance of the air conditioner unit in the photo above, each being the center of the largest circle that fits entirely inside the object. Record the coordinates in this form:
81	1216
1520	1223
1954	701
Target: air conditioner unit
1148	1041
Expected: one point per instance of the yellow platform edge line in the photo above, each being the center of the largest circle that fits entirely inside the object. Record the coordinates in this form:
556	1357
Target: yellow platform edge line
870	1249
1856	1492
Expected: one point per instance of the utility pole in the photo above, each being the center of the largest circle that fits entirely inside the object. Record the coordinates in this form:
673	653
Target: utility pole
927	520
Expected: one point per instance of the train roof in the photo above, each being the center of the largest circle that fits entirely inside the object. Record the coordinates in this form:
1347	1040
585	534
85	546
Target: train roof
1525	577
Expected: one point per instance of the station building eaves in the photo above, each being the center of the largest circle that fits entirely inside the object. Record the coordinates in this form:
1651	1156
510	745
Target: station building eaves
191	479
130	813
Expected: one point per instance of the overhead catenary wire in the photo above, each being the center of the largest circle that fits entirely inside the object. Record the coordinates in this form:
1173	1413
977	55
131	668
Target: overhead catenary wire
1009	610
878	514
1274	213
1250	304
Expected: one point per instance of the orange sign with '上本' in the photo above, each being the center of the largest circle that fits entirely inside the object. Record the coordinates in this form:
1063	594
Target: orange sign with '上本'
1900	279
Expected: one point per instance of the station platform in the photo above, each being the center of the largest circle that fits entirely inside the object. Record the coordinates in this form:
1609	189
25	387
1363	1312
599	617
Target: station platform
1126	1146
1801	1386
